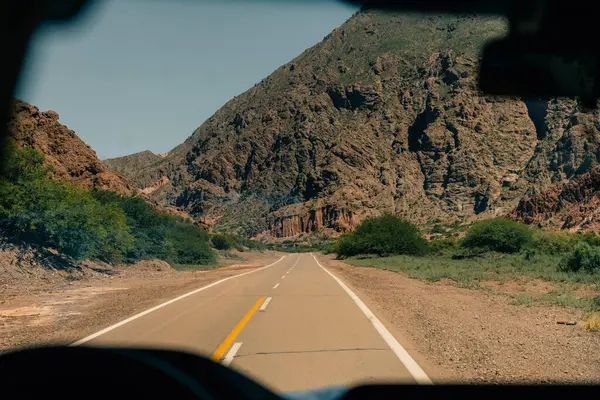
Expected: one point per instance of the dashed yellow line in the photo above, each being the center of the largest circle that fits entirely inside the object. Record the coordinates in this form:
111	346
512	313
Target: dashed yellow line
220	351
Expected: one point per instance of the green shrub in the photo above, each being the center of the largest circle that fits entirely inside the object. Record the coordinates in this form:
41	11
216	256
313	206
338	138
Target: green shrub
95	225
383	235
438	229
554	243
53	213
441	246
252	244
549	242
221	242
328	248
583	258
501	235
188	244
149	228
590	238
238	246
161	236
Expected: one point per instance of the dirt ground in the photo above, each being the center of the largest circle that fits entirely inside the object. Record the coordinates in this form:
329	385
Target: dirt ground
42	307
476	336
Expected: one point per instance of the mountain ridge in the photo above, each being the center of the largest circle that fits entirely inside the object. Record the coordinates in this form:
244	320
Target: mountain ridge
72	159
128	165
382	115
69	156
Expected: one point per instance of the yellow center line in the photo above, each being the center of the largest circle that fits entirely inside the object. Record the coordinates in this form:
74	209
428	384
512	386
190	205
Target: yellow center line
220	351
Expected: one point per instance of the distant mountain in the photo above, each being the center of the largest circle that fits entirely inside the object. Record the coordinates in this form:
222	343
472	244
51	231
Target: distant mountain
63	150
131	164
72	159
382	115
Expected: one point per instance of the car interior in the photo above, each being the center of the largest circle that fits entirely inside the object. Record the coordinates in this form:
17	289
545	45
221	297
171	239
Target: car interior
538	59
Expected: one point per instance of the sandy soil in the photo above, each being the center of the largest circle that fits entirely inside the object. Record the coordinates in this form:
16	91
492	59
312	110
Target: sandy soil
49	307
467	335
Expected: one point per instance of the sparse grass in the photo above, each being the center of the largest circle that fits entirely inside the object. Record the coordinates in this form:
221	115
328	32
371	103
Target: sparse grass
565	298
468	273
523	299
541	267
489	266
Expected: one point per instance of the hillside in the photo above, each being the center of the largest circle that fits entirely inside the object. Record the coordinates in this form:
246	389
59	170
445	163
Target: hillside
63	150
57	198
71	158
129	165
382	115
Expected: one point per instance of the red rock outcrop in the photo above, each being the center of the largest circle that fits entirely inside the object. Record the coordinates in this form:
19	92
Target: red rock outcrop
573	205
63	150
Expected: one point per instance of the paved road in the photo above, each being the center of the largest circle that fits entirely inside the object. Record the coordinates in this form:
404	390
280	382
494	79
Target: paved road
290	325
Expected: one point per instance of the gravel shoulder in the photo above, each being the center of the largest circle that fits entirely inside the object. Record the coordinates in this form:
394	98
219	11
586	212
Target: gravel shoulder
475	336
49	307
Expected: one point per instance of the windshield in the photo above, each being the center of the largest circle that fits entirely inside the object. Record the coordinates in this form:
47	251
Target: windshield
313	194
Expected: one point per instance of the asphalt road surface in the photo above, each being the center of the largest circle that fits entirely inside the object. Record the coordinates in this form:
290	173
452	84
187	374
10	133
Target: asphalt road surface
290	325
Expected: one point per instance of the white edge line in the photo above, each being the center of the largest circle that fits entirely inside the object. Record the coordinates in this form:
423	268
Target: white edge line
283	277
265	303
275	287
411	365
231	354
136	316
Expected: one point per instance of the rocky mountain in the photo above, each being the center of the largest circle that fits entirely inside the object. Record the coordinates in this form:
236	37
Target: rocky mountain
564	176
63	150
72	159
129	165
382	115
574	205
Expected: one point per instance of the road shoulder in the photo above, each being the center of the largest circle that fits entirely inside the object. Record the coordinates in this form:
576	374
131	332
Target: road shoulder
464	335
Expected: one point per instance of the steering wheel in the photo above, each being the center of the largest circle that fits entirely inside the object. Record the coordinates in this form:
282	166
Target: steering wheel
83	372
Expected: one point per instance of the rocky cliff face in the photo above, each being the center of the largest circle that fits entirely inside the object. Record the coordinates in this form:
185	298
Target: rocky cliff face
574	205
63	150
382	115
563	177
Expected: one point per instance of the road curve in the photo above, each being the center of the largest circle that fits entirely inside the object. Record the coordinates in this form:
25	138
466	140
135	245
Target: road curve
291	325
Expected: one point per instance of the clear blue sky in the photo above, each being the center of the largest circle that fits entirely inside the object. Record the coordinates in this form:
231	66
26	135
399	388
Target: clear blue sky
137	75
